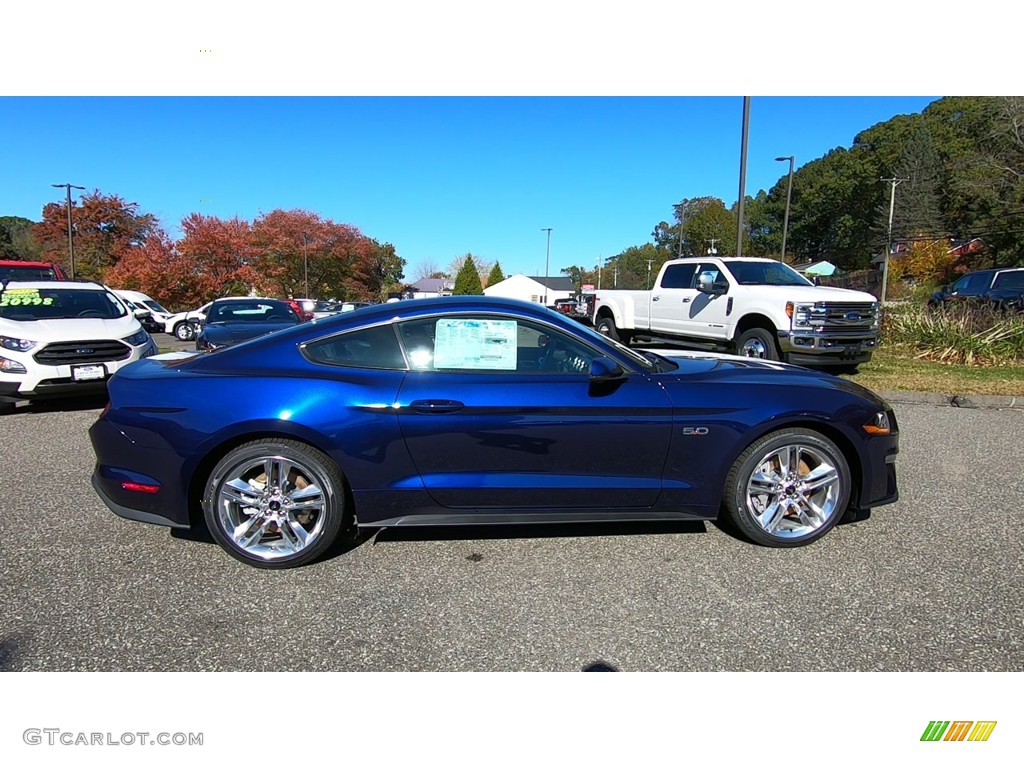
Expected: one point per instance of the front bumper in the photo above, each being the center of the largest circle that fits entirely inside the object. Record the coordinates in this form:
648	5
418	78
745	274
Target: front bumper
803	347
42	382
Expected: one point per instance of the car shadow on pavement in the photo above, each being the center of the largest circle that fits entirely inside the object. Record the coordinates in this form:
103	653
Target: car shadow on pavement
62	405
532	531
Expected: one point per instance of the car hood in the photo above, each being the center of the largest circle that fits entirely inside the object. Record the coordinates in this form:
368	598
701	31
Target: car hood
71	329
734	369
813	293
233	333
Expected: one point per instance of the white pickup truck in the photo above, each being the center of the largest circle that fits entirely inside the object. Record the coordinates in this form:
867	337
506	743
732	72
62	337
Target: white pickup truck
748	306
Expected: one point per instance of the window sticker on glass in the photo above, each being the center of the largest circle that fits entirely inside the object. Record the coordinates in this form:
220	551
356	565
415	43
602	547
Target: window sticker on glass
475	344
23	297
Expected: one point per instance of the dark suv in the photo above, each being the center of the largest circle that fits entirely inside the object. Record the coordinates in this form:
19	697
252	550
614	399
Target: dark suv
1002	288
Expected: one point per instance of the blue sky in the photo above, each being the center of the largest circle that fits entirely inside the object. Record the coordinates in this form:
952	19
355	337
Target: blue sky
436	176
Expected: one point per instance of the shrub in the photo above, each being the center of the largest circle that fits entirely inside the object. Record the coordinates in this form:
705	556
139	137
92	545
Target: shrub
958	335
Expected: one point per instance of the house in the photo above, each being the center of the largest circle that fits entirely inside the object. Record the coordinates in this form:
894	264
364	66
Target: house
427	288
533	289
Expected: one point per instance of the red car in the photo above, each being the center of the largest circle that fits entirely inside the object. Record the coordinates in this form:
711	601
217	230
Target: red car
30	270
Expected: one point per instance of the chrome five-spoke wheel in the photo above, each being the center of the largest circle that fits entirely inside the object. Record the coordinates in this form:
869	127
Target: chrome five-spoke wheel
274	503
788	488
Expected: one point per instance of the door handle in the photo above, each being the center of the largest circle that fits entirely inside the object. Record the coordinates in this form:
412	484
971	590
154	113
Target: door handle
686	300
655	298
436	406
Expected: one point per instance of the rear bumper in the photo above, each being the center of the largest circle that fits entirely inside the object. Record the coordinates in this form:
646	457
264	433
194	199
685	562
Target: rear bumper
130	513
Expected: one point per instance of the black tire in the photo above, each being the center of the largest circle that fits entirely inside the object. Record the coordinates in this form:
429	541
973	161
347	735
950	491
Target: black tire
606	327
802	513
184	331
759	343
271	548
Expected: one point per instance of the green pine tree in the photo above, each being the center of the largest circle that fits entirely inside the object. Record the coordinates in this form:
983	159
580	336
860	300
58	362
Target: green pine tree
496	275
467	282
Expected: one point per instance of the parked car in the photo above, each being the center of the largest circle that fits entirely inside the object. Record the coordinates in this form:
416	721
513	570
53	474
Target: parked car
184	325
328	308
158	316
63	339
11	269
475	409
230	321
1002	288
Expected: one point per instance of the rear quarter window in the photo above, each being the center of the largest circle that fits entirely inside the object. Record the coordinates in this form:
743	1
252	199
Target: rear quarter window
375	347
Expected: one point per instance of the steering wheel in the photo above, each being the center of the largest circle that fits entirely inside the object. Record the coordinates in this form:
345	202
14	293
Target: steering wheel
90	313
573	363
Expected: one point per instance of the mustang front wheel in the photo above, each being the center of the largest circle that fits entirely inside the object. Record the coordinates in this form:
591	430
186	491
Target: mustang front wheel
789	488
275	503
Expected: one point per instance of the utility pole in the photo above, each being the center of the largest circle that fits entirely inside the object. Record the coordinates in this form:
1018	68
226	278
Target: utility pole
615	276
888	240
71	239
600	266
743	177
547	264
649	262
305	263
789	196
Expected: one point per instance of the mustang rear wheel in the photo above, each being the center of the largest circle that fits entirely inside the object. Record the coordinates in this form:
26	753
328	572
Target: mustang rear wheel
788	488
275	503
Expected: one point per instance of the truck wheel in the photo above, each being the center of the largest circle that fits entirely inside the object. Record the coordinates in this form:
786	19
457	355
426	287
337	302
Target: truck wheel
757	342
606	327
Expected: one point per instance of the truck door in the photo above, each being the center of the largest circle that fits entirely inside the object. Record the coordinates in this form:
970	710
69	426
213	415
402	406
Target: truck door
706	315
672	298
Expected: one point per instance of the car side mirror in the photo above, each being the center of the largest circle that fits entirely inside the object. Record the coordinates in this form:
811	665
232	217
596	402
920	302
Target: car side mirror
706	284
140	313
604	369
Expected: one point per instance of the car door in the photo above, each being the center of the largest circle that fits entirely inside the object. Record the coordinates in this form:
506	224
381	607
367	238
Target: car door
672	299
707	312
500	413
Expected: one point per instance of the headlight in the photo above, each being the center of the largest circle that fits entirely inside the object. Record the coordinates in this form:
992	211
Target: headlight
137	339
16	345
879	425
11	366
805	315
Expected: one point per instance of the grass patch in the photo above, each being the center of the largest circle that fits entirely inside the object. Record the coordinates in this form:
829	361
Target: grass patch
897	368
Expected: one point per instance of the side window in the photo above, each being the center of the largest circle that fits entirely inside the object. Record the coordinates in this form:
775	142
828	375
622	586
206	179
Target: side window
678	276
374	347
974	285
710	269
491	344
1010	280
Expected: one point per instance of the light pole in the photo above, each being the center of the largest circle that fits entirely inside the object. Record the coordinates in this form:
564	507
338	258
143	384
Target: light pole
743	176
305	264
71	240
547	264
888	240
789	196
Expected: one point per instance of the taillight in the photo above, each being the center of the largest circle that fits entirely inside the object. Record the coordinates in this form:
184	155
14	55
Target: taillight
140	487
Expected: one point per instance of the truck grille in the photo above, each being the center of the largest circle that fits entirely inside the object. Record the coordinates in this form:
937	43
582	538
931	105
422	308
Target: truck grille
74	352
841	316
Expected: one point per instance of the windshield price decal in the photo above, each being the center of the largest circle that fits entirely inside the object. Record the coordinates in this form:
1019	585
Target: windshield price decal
23	297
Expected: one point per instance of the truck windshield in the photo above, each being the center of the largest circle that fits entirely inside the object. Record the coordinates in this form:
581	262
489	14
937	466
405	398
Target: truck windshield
765	273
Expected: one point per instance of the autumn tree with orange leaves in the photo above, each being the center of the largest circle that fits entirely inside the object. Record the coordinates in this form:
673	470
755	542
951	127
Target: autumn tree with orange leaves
105	228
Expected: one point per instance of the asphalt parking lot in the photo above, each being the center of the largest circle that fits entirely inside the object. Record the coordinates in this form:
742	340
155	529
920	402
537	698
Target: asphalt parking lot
930	583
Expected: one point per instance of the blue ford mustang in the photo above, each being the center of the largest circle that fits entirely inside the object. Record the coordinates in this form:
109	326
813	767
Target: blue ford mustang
464	410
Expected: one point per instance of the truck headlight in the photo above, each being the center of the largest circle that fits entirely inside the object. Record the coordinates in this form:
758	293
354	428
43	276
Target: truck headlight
16	345
804	315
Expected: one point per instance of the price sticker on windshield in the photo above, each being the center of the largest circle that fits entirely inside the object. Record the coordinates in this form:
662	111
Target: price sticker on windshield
24	297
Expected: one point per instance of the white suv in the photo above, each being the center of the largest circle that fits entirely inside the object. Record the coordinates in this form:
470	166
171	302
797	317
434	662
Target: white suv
63	338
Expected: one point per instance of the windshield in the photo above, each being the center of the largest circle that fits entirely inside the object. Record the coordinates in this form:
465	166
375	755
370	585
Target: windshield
156	307
765	273
252	312
26	273
26	304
